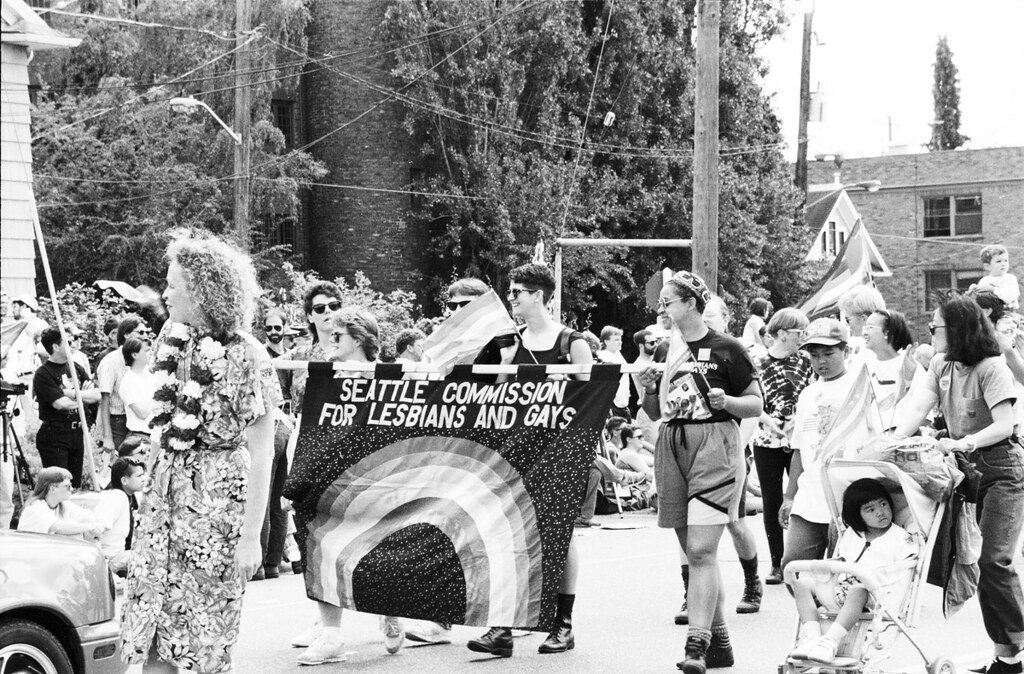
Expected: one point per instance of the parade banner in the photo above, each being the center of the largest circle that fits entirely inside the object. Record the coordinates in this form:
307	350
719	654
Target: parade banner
449	500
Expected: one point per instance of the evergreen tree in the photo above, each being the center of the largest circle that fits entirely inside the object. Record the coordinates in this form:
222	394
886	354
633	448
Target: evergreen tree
946	93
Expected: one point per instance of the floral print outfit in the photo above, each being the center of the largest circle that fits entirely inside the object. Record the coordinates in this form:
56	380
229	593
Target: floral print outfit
184	588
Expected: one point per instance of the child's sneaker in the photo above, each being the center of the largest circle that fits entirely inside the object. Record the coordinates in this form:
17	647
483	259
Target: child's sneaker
823	650
324	649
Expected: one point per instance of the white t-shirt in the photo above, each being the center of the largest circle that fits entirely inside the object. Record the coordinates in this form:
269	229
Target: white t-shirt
39	517
1005	287
137	388
816	408
886	556
114	513
885	380
622	393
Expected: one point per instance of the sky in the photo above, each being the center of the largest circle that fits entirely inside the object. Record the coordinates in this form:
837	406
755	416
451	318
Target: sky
872	60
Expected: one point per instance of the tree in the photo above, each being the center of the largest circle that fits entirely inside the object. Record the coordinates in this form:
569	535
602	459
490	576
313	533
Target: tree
946	94
116	170
501	120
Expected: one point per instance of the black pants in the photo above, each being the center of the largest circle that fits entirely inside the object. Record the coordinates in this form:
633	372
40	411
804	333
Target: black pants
771	463
62	445
275	524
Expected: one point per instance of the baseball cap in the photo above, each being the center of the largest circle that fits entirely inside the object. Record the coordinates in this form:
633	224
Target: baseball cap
694	283
827	332
28	301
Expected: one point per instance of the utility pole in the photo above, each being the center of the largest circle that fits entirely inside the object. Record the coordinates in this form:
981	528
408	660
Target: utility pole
705	145
243	119
805	104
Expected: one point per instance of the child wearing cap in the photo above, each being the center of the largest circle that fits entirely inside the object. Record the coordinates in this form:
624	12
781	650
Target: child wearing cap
804	509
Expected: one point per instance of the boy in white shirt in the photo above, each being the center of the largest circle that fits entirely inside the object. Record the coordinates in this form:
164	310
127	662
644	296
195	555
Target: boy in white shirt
995	260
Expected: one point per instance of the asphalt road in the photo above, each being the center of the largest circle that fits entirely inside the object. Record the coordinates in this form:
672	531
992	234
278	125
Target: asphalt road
629	590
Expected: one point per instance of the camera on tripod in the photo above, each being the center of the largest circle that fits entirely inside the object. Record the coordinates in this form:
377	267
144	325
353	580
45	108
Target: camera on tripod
8	389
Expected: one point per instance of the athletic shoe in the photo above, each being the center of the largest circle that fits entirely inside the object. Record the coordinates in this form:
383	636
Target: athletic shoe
997	666
429	632
823	650
306	639
323	650
393	633
802	649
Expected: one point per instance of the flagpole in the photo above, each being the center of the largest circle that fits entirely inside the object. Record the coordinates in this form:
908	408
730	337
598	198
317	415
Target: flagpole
421	368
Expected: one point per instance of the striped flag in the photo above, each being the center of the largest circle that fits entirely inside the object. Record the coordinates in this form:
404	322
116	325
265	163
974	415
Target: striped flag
851	268
858	420
461	336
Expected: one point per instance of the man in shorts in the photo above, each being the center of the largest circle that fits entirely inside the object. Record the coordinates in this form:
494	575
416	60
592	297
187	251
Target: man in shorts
709	384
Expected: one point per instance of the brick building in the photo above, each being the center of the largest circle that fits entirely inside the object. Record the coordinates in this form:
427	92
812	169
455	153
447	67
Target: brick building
349	230
933	214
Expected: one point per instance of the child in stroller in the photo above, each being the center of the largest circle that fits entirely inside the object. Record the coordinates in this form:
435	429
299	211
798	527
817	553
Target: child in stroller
879	547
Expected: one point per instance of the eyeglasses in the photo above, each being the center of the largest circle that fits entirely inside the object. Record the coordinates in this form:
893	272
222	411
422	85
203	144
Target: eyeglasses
273	328
321	308
932	327
651	342
513	293
800	332
455	306
662	304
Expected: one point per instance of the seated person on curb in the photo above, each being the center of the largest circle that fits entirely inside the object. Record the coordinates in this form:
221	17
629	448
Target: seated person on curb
602	469
632	456
872	540
115	511
48	510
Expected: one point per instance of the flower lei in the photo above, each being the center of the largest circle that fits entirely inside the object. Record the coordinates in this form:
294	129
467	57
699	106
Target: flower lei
179	404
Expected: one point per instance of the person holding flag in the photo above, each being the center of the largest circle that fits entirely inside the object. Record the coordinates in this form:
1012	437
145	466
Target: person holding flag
709	384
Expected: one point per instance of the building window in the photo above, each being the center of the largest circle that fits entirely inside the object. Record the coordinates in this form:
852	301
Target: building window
939	281
280	230
952	216
283	113
832	240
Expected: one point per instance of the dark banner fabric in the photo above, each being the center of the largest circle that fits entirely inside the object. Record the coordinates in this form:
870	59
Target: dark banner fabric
450	500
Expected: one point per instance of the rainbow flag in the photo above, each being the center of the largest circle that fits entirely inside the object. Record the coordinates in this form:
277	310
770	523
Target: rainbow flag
463	334
858	421
449	500
851	268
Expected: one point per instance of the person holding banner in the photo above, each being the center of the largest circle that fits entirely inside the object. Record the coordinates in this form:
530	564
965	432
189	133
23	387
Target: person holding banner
198	537
354	338
544	341
709	384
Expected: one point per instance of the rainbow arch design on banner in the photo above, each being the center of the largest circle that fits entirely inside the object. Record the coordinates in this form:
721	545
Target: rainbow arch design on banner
472	495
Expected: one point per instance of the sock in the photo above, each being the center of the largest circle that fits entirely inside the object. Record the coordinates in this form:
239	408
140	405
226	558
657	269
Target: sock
1009	659
701	635
565	602
810	629
720	635
836	633
686	577
749	567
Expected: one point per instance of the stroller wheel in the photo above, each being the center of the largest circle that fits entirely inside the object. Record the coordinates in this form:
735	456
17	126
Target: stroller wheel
941	665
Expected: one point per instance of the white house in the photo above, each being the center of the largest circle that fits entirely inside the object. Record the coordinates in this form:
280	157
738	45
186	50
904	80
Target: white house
23	32
831	212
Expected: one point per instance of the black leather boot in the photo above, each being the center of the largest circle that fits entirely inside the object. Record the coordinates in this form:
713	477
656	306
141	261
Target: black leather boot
497	641
694	662
561	638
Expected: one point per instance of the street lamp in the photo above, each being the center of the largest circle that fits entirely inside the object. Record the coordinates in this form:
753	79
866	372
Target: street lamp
867	185
188	104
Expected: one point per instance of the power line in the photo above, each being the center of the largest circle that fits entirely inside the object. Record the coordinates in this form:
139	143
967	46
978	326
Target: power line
143	24
586	118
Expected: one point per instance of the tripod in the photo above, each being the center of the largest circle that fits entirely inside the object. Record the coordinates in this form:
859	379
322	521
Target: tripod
14	456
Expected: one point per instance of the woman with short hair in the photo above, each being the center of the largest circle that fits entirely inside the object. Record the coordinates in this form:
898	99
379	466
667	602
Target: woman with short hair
887	335
48	510
974	389
785	372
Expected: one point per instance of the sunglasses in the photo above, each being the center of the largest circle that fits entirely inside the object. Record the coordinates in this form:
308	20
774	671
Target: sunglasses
455	306
651	342
321	308
513	293
274	328
932	327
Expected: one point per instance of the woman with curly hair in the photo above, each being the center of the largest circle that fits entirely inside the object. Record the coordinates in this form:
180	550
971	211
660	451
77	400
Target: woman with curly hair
198	538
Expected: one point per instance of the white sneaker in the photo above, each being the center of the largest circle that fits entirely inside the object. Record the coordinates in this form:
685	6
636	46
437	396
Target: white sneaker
393	633
803	646
429	632
823	650
323	650
306	639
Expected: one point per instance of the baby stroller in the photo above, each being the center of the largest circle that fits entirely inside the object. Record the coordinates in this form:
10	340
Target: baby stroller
869	642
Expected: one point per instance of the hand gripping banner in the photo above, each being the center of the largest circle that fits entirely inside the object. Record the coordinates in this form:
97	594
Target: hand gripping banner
449	500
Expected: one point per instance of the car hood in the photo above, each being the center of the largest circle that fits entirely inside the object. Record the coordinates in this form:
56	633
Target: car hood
62	574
